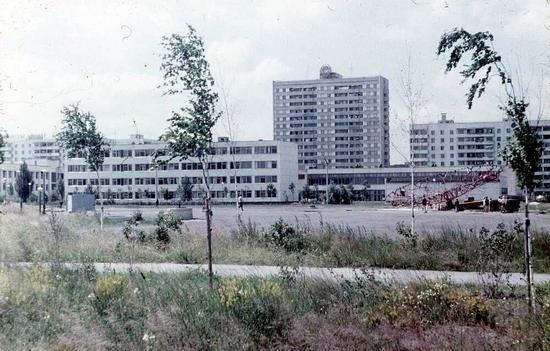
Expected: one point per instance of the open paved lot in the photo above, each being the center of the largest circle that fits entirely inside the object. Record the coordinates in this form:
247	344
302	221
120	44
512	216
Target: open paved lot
378	219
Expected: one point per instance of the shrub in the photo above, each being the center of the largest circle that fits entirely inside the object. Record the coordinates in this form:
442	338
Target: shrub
131	231
283	235
432	303
496	254
248	231
405	232
257	306
107	290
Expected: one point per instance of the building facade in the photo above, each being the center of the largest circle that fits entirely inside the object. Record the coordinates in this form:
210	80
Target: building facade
447	143
336	122
45	173
31	147
376	184
43	158
261	171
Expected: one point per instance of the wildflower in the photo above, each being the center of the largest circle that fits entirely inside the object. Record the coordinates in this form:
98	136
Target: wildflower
148	337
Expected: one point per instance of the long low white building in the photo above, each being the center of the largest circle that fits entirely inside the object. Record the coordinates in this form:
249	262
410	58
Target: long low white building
260	171
43	172
379	184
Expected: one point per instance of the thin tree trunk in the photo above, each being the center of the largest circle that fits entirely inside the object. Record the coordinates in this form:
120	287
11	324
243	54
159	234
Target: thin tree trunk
100	200
208	213
412	198
528	257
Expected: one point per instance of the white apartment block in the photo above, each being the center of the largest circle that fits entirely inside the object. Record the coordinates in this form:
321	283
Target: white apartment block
249	168
336	122
447	143
42	156
32	147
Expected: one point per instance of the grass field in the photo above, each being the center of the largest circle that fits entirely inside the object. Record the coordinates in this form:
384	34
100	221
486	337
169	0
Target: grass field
54	308
83	310
29	237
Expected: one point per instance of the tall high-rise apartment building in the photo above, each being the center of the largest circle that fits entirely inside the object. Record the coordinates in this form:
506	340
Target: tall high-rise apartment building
336	122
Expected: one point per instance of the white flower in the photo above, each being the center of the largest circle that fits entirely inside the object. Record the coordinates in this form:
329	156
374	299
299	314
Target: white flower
148	337
136	290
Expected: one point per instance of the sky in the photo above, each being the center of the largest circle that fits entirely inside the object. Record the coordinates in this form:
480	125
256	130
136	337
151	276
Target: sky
106	56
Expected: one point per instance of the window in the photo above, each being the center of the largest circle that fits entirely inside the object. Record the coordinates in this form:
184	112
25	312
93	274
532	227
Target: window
169	167
240	179
265	149
142	167
241	165
144	153
265	179
241	150
122	181
122	168
76	168
122	153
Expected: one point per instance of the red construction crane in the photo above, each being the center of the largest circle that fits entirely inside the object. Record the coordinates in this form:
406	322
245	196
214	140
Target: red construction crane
466	182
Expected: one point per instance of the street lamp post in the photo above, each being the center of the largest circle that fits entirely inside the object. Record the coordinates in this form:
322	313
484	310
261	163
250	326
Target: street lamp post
30	192
44	191
40	190
326	181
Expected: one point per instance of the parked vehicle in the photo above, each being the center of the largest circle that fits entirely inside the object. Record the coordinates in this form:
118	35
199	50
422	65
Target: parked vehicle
509	203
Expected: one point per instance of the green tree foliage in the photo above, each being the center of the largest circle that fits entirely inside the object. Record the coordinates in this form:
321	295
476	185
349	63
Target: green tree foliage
79	137
307	193
189	134
184	192
22	182
523	152
271	190
292	188
185	70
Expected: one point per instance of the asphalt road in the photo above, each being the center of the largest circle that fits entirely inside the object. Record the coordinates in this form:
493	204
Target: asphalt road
376	219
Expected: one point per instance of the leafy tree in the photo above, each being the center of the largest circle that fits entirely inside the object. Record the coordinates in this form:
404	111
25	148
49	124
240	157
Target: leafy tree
184	192
523	152
11	192
292	189
271	190
189	134
61	192
307	193
22	181
79	137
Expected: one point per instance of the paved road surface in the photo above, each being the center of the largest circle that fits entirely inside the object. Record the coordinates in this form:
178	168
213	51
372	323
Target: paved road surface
377	219
337	274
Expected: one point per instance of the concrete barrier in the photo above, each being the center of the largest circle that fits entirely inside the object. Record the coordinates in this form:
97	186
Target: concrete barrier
184	213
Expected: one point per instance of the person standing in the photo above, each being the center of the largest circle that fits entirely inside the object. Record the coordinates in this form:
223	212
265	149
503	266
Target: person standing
486	203
240	203
424	204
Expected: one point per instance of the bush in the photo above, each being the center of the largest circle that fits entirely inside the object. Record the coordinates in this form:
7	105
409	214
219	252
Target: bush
283	235
258	306
432	303
107	290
